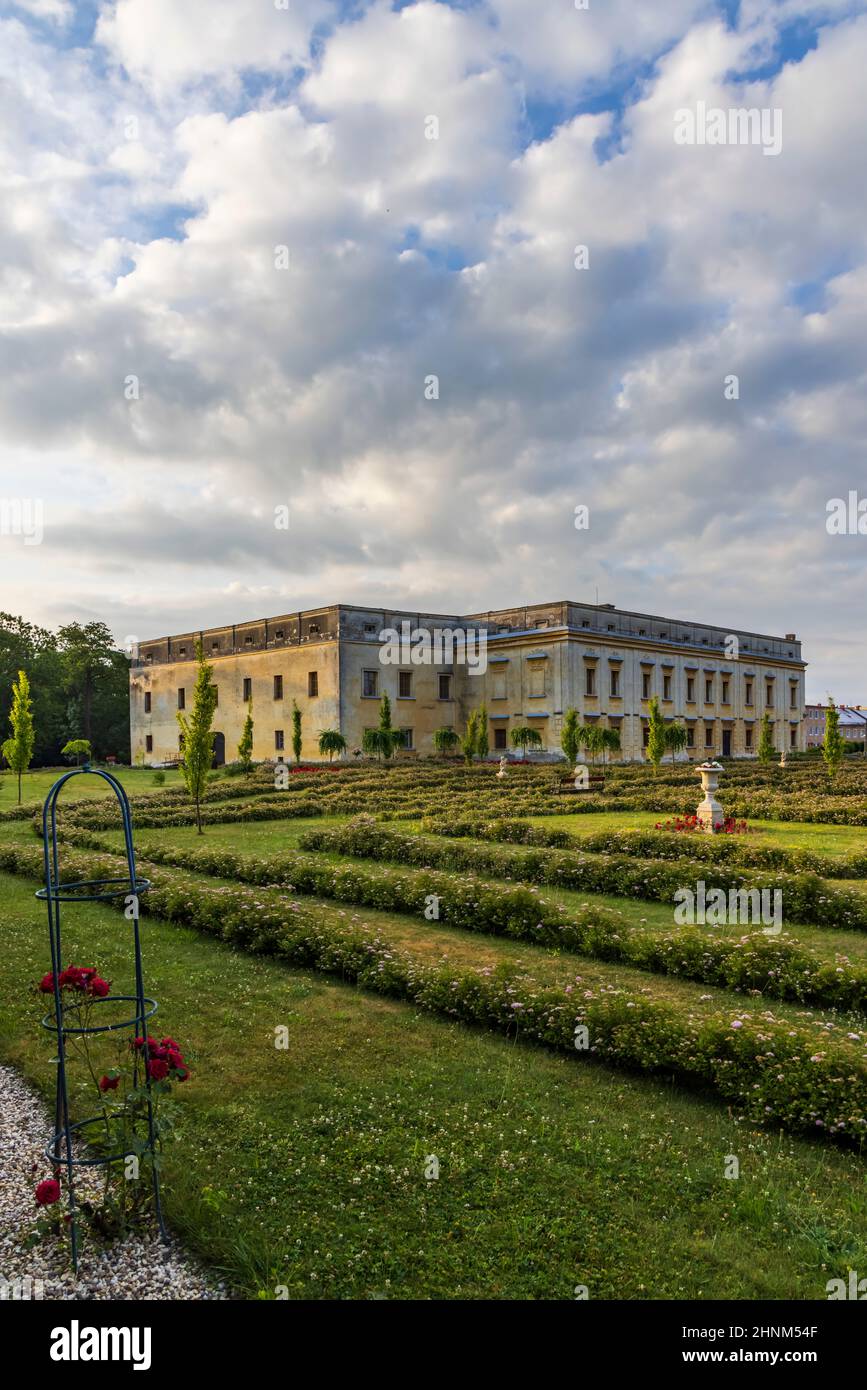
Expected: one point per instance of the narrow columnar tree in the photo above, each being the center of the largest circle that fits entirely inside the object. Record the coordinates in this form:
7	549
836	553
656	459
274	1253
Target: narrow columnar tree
469	742
834	747
245	747
524	737
296	731
656	734
331	741
675	739
767	751
18	750
569	740
198	738
445	740
483	744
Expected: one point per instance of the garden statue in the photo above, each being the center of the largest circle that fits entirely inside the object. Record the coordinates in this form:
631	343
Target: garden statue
709	813
504	763
783	758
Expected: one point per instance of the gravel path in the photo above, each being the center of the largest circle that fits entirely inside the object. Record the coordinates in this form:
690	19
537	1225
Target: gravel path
137	1268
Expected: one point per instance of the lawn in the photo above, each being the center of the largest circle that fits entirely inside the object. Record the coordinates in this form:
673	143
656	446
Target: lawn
36	785
305	1168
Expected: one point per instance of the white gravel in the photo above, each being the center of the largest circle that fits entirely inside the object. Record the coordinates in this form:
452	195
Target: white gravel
136	1268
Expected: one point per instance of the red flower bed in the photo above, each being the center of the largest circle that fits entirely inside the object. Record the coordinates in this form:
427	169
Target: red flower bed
687	824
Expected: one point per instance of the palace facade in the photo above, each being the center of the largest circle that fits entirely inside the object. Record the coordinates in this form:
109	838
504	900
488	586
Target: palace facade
529	666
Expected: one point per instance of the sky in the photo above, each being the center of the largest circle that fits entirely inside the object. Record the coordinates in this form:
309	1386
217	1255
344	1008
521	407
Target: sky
323	258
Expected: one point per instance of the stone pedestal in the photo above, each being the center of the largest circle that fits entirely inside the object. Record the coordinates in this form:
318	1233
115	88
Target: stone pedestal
710	814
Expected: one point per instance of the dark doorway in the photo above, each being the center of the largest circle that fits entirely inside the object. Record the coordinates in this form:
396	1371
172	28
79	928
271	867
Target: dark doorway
727	743
219	750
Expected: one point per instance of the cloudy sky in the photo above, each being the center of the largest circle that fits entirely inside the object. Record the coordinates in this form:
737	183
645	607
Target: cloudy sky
237	240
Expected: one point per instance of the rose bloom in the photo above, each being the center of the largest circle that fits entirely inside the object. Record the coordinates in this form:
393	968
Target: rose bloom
48	1192
46	984
109	1083
158	1070
99	987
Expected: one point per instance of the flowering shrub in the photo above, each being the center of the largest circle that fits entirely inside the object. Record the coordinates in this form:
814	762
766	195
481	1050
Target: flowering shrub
120	1125
692	824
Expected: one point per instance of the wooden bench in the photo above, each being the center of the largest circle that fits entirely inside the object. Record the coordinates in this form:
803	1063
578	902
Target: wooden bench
566	785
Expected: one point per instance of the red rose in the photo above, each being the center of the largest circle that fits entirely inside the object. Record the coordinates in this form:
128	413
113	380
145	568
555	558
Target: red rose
46	984
158	1070
109	1083
170	1044
99	987
151	1043
48	1192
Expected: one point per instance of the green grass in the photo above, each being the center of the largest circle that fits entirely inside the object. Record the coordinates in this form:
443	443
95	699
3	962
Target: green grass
36	785
305	1167
823	839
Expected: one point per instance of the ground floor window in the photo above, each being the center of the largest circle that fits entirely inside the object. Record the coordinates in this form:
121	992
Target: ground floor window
278	739
748	738
690	736
500	738
149	743
708	735
793	738
407	738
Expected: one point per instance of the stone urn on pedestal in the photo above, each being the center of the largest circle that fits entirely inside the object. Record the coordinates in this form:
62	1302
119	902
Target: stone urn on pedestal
709	813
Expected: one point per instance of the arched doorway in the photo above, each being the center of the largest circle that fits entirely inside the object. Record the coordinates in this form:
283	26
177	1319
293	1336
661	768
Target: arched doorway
219	750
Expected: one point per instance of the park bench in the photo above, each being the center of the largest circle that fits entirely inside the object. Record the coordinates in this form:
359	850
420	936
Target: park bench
566	785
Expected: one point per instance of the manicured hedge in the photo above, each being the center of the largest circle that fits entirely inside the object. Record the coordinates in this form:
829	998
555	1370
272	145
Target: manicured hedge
809	1076
805	897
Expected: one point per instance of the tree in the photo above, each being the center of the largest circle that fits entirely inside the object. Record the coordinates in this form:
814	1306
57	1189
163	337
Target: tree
77	748
87	651
524	737
569	739
331	741
445	740
767	751
483	746
24	646
656	734
675	739
296	731
18	750
833	747
590	737
198	740
469	742
245	747
384	740
610	741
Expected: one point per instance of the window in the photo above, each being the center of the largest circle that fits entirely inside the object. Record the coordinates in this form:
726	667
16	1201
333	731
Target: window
312	684
690	735
279	633
645	736
499	737
645	685
615	683
748	693
369	681
278	739
370	627
708	691
407	738
725	692
610	627
248	640
537	682
666	687
690	689
248	689
182	698
215	646
769	693
183	651
748	737
445	687
149	743
278	687
499	687
147	702
793	697
590	681
312	629
708	735
404	685
793	738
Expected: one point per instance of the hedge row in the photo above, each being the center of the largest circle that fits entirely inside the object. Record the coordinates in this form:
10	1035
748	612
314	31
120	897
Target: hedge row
805	898
777	967
658	844
802	1075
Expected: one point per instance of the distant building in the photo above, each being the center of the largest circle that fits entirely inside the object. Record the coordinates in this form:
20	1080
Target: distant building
537	662
853	724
